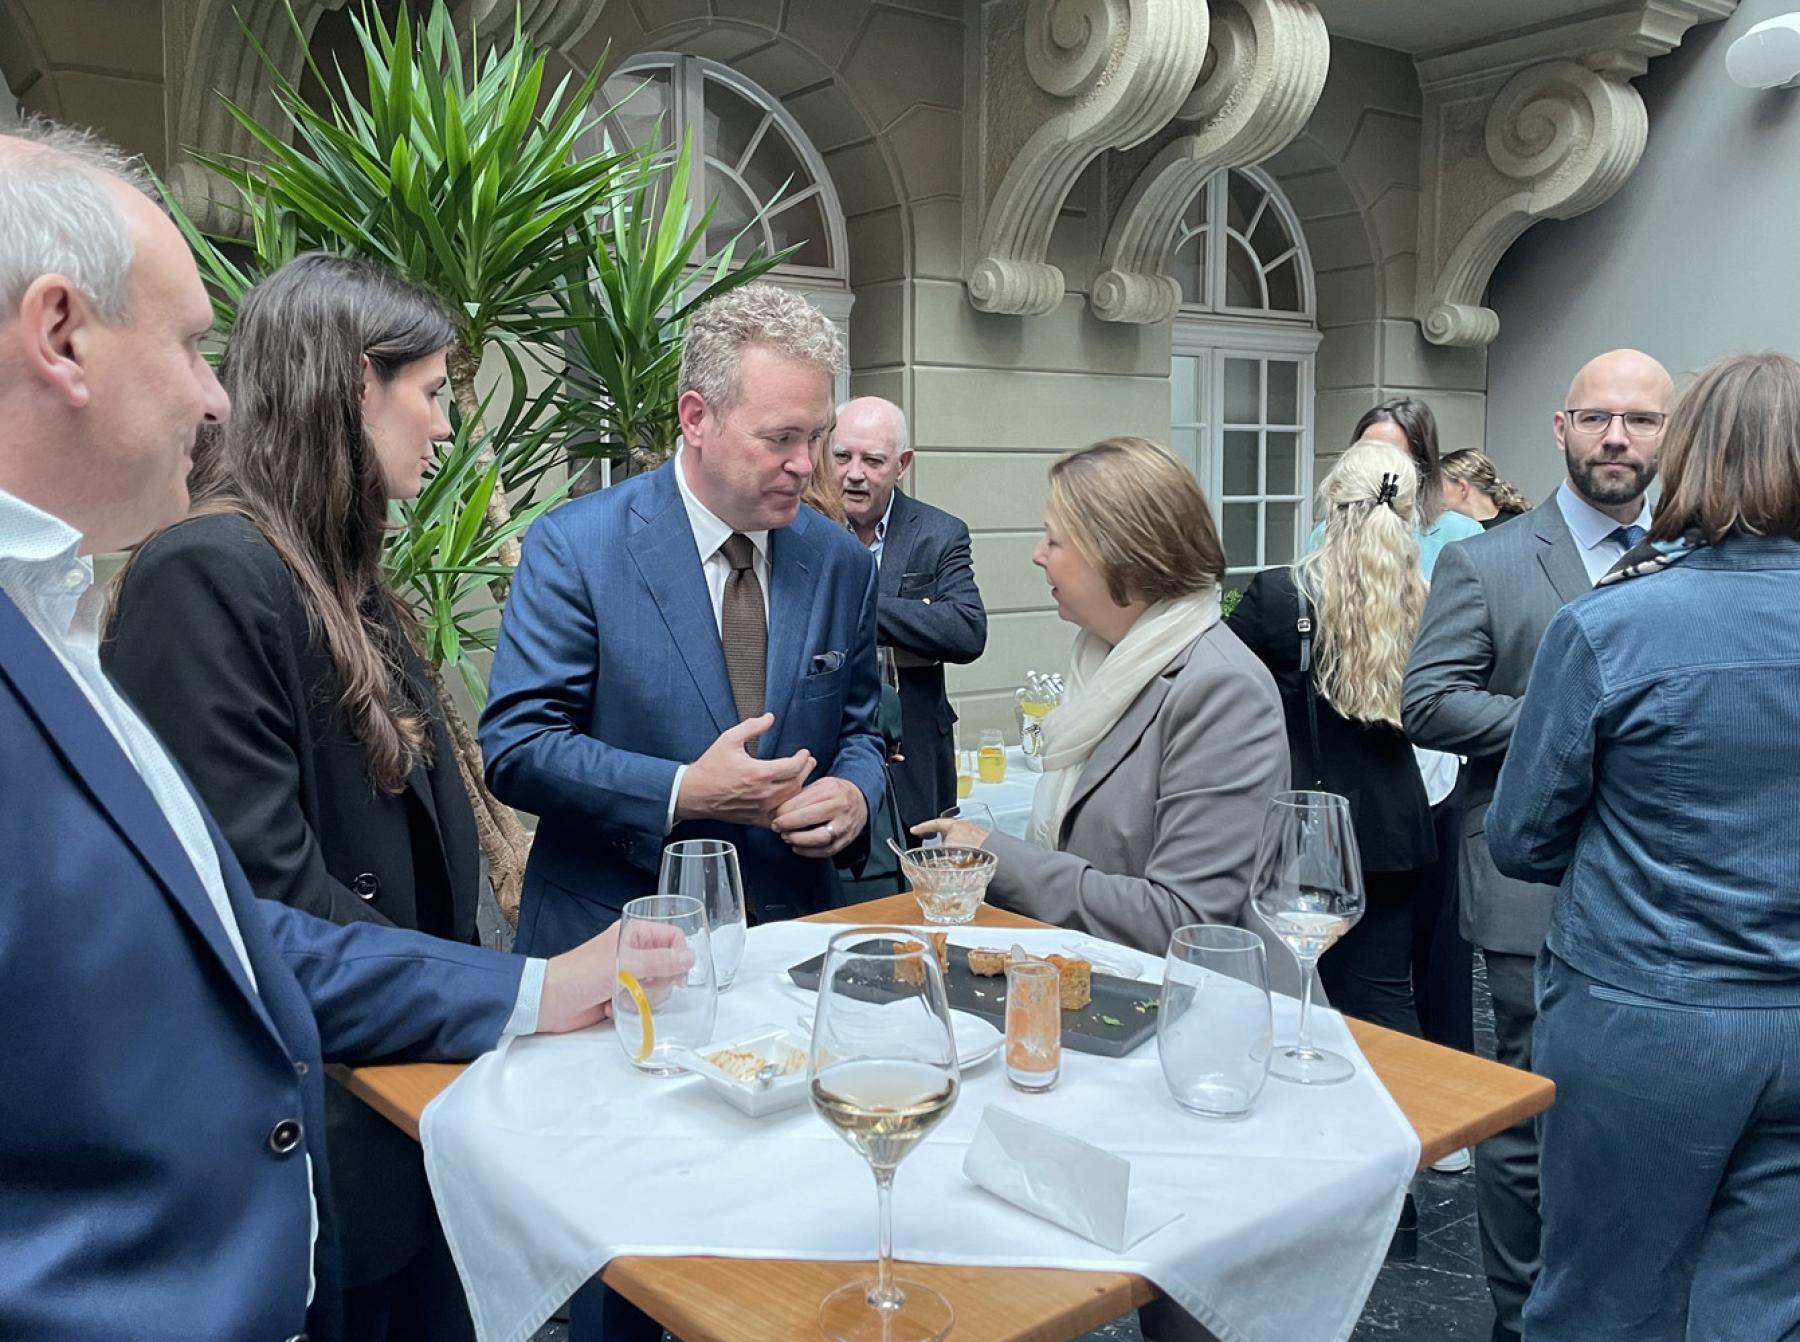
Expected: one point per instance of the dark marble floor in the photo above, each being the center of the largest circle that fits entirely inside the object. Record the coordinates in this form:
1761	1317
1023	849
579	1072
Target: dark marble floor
1441	1296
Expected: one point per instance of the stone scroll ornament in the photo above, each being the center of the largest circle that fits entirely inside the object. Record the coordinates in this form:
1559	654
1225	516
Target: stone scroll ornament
1556	140
1062	82
1265	68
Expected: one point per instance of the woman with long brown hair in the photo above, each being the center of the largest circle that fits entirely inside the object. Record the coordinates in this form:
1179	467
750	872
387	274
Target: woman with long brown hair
262	640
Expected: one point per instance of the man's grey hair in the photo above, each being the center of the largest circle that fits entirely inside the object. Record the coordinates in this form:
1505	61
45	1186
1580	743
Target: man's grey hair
756	314
895	416
57	216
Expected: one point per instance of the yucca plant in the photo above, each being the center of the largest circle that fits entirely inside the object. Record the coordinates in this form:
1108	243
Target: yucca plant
621	358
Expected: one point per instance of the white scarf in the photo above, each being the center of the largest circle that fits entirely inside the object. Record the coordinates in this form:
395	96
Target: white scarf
1104	681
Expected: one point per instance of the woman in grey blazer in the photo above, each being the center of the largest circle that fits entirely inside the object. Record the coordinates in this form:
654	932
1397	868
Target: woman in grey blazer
1171	743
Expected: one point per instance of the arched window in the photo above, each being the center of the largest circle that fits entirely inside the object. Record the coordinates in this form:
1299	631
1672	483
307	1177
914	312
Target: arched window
755	154
1241	372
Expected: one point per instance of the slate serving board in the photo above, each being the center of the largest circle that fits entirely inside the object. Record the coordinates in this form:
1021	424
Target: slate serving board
1084	1031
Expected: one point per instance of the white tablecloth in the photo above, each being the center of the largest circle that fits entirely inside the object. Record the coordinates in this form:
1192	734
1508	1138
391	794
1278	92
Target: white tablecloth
550	1156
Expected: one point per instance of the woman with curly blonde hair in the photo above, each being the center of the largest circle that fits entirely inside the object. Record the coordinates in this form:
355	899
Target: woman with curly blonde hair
1335	631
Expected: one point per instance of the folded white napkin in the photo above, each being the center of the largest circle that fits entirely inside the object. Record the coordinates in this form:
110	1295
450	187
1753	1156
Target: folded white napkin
1063	1179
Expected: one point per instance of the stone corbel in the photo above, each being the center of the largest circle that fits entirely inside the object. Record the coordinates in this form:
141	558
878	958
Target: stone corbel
222	60
223	63
1541	126
1265	68
1063	81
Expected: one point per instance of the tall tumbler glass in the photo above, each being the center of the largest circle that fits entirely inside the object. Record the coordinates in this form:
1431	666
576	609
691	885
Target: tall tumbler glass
664	995
707	869
1215	1029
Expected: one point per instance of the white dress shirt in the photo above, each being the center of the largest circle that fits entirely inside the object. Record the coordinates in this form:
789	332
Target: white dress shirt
1593	530
709	535
45	575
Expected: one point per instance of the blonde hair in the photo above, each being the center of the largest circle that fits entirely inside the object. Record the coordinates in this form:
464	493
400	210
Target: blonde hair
1364	581
1477	470
1136	513
822	492
755	314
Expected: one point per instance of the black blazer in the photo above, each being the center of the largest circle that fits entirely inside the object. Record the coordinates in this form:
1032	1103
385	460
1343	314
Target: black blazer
209	640
1370	763
930	613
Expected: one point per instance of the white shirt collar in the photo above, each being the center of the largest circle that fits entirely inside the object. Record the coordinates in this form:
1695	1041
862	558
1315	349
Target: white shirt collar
881	527
1587	523
709	531
40	555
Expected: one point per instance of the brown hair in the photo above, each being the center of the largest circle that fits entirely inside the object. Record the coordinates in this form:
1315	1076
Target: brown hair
1137	514
1477	469
1420	427
1731	453
295	460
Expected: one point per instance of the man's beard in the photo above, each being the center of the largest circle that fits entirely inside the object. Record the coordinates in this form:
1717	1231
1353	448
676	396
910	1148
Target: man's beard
1605	490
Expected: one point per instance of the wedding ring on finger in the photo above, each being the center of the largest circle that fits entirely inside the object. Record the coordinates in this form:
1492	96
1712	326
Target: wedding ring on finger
831	831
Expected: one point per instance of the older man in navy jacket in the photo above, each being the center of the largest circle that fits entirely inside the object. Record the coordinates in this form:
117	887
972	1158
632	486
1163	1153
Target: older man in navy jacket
162	1171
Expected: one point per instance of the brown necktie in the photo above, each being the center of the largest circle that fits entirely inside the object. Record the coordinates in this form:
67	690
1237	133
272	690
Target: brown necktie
743	627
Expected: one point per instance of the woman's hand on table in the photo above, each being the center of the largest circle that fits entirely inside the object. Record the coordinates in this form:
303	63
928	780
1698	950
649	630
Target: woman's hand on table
957	833
578	984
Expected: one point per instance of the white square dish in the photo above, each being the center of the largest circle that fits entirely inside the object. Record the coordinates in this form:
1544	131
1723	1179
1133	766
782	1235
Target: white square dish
729	1068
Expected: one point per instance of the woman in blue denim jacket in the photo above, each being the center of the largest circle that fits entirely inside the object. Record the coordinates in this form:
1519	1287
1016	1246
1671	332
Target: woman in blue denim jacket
1655	774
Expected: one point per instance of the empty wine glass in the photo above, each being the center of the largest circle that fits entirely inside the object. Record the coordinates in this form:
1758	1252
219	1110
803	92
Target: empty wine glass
883	1073
664	995
1214	1027
890	670
707	869
1307	885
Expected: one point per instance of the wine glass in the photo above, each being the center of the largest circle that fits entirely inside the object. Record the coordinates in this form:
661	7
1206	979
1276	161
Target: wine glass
707	869
664	995
1307	885
883	1072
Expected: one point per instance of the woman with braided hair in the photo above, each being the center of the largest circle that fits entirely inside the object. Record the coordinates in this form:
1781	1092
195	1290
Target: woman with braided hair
1335	630
1474	488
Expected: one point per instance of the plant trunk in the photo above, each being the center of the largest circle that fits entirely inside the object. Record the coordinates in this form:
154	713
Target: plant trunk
463	364
503	838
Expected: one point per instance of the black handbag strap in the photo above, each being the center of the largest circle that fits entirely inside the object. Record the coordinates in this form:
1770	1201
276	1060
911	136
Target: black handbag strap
1304	625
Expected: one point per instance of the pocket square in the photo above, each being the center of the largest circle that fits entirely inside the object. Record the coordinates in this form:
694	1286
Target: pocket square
825	661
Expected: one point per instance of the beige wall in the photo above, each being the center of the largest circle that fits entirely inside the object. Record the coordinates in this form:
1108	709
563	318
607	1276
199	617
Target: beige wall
1353	177
91	63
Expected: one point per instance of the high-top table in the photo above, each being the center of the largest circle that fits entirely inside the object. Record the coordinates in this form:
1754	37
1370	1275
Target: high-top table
1452	1099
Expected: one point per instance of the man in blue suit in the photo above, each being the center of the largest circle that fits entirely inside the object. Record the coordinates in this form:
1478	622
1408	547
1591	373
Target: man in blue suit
162	1171
692	653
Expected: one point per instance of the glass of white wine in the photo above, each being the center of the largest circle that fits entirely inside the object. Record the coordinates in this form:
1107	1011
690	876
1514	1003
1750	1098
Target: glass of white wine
883	1072
1307	885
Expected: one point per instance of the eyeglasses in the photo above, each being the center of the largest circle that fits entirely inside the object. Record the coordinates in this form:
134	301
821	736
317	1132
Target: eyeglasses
1638	423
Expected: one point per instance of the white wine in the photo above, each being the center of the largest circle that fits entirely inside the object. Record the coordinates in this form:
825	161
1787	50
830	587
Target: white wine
1309	935
881	1107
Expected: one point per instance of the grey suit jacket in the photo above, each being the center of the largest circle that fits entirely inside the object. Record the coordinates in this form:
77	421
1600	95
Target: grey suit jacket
1166	817
1491	598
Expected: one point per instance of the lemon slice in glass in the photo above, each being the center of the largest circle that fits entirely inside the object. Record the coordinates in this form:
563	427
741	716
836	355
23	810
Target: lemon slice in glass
628	981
